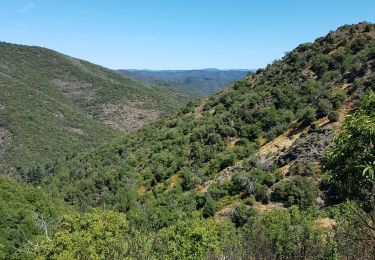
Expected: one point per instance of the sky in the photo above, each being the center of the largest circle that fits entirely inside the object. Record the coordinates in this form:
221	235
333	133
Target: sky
179	34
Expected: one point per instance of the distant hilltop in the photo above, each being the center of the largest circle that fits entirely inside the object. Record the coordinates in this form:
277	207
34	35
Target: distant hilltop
202	82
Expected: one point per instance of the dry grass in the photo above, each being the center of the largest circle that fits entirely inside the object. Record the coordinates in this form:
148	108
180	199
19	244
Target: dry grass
280	143
232	142
142	190
173	180
267	207
326	224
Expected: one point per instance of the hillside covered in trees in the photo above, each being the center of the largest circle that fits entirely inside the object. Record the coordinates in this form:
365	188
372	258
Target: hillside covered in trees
52	104
279	165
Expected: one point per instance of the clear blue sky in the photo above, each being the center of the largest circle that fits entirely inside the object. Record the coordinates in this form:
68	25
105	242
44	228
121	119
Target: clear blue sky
178	34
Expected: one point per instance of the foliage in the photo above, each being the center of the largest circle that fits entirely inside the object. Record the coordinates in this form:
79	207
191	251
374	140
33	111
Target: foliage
95	235
26	214
190	240
354	234
300	191
351	163
285	234
242	215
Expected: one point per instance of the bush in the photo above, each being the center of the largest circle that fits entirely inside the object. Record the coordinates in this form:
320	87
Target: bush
324	107
242	215
333	116
320	65
303	168
98	234
286	234
309	116
301	191
242	182
210	208
189	180
262	194
217	191
251	131
337	98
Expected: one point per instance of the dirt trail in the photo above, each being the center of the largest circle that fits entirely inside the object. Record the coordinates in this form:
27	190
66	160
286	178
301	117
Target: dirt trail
198	111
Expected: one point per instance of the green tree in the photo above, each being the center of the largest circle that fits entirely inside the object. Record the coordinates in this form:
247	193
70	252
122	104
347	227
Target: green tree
309	116
242	215
95	235
351	162
189	240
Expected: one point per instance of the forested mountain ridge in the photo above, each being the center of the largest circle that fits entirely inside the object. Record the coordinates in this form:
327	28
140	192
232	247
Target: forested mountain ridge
52	104
201	82
252	172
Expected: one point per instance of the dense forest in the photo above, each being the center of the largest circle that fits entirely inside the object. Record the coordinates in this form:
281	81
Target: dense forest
278	165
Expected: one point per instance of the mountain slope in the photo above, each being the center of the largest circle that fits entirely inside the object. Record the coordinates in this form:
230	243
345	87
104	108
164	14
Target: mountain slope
260	141
51	105
202	82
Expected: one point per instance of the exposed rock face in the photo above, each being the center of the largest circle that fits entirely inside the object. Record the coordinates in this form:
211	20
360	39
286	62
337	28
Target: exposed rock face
311	147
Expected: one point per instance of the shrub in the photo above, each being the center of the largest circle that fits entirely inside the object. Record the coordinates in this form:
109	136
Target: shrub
309	116
324	107
242	182
243	214
320	65
337	98
262	194
301	191
210	208
189	180
217	191
333	116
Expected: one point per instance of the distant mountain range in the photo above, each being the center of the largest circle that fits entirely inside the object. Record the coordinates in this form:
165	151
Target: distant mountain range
202	82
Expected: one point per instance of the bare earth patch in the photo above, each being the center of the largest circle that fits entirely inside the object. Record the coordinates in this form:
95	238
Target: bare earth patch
270	150
221	177
198	111
5	138
127	117
76	89
227	211
76	130
59	114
